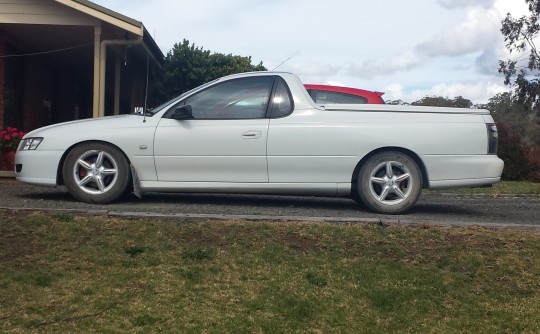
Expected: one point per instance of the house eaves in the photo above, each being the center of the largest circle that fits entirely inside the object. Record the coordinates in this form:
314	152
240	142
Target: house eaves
118	20
106	15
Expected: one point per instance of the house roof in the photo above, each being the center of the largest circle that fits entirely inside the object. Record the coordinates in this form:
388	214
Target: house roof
116	19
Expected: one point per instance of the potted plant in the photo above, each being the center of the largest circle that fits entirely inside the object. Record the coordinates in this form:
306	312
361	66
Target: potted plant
9	141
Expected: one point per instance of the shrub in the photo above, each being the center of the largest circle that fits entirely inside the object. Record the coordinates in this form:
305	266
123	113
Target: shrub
533	158
514	153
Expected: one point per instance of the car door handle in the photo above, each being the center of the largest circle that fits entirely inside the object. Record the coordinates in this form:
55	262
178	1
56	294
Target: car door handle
251	134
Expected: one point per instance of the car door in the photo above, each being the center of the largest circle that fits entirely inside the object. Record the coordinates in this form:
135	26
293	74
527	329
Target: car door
224	141
309	146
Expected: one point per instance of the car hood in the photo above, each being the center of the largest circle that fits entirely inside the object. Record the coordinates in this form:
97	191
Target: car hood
89	124
120	130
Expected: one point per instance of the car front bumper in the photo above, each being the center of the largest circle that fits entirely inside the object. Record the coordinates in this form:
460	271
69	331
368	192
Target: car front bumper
37	167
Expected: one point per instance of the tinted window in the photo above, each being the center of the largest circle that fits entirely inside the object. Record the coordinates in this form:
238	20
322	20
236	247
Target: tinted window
325	97
234	99
282	103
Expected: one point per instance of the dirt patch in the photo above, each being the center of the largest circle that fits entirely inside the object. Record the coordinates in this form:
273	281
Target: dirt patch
17	247
301	243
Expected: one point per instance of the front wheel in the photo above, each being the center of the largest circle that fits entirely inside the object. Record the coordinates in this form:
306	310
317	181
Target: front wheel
389	183
96	173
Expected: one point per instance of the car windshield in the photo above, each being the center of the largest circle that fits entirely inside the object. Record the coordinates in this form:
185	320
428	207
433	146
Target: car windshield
153	111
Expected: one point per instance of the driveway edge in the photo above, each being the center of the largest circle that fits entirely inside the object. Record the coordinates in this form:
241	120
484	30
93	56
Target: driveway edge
334	220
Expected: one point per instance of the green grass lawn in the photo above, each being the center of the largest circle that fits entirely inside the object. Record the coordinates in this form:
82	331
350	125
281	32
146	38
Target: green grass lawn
503	188
64	274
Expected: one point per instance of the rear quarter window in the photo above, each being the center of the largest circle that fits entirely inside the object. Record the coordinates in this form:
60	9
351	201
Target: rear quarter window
325	97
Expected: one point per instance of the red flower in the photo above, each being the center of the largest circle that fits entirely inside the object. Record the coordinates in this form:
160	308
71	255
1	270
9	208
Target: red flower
10	138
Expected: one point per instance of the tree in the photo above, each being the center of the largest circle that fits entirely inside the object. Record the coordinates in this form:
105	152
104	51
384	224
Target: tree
522	70
187	66
460	102
506	107
439	101
397	102
519	140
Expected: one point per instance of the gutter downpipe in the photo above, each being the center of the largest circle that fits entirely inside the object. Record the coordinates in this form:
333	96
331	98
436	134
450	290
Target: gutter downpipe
103	63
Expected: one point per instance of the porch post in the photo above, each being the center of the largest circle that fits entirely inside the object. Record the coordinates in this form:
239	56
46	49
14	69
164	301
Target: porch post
117	77
97	91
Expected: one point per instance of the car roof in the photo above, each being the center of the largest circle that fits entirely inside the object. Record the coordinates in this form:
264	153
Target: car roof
341	89
371	96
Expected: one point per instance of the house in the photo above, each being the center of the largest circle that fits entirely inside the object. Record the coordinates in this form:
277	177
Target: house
63	60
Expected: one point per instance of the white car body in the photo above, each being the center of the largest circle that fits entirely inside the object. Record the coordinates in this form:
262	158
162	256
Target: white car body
314	150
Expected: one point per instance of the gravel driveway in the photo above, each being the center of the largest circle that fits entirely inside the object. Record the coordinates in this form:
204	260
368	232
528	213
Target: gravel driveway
431	208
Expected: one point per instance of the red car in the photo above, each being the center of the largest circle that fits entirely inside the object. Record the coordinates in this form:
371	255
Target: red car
325	94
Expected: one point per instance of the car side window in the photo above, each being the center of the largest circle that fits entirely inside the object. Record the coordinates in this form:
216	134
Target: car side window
242	98
282	102
325	97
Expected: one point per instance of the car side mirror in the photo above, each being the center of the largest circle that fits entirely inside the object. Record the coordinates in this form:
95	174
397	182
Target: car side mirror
182	113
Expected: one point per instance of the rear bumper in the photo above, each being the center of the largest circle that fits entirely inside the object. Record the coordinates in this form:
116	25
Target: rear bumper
469	183
456	171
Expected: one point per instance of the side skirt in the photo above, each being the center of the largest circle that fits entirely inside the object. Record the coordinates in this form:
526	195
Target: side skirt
315	189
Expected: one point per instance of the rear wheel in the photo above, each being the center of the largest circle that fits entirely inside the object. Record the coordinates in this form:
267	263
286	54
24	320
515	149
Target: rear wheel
96	173
389	182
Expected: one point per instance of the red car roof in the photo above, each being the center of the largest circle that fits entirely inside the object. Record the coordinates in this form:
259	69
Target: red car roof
372	97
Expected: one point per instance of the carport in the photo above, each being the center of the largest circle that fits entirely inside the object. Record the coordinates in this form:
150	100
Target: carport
62	60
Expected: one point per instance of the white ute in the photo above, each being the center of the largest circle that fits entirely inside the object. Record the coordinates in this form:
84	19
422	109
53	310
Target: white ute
262	133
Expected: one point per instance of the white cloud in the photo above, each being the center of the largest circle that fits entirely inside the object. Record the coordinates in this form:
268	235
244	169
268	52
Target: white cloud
335	83
371	68
394	92
487	62
478	31
405	61
465	3
477	92
517	8
312	69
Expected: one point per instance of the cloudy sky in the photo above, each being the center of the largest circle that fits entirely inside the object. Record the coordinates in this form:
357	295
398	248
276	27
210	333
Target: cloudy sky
407	49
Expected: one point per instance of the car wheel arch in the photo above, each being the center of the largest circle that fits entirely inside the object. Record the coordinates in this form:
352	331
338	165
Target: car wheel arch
59	174
409	153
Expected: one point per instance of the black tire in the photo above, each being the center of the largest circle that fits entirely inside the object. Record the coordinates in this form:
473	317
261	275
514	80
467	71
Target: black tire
96	173
389	182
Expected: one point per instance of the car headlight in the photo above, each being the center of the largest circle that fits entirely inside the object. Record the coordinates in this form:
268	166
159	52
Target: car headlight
30	144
